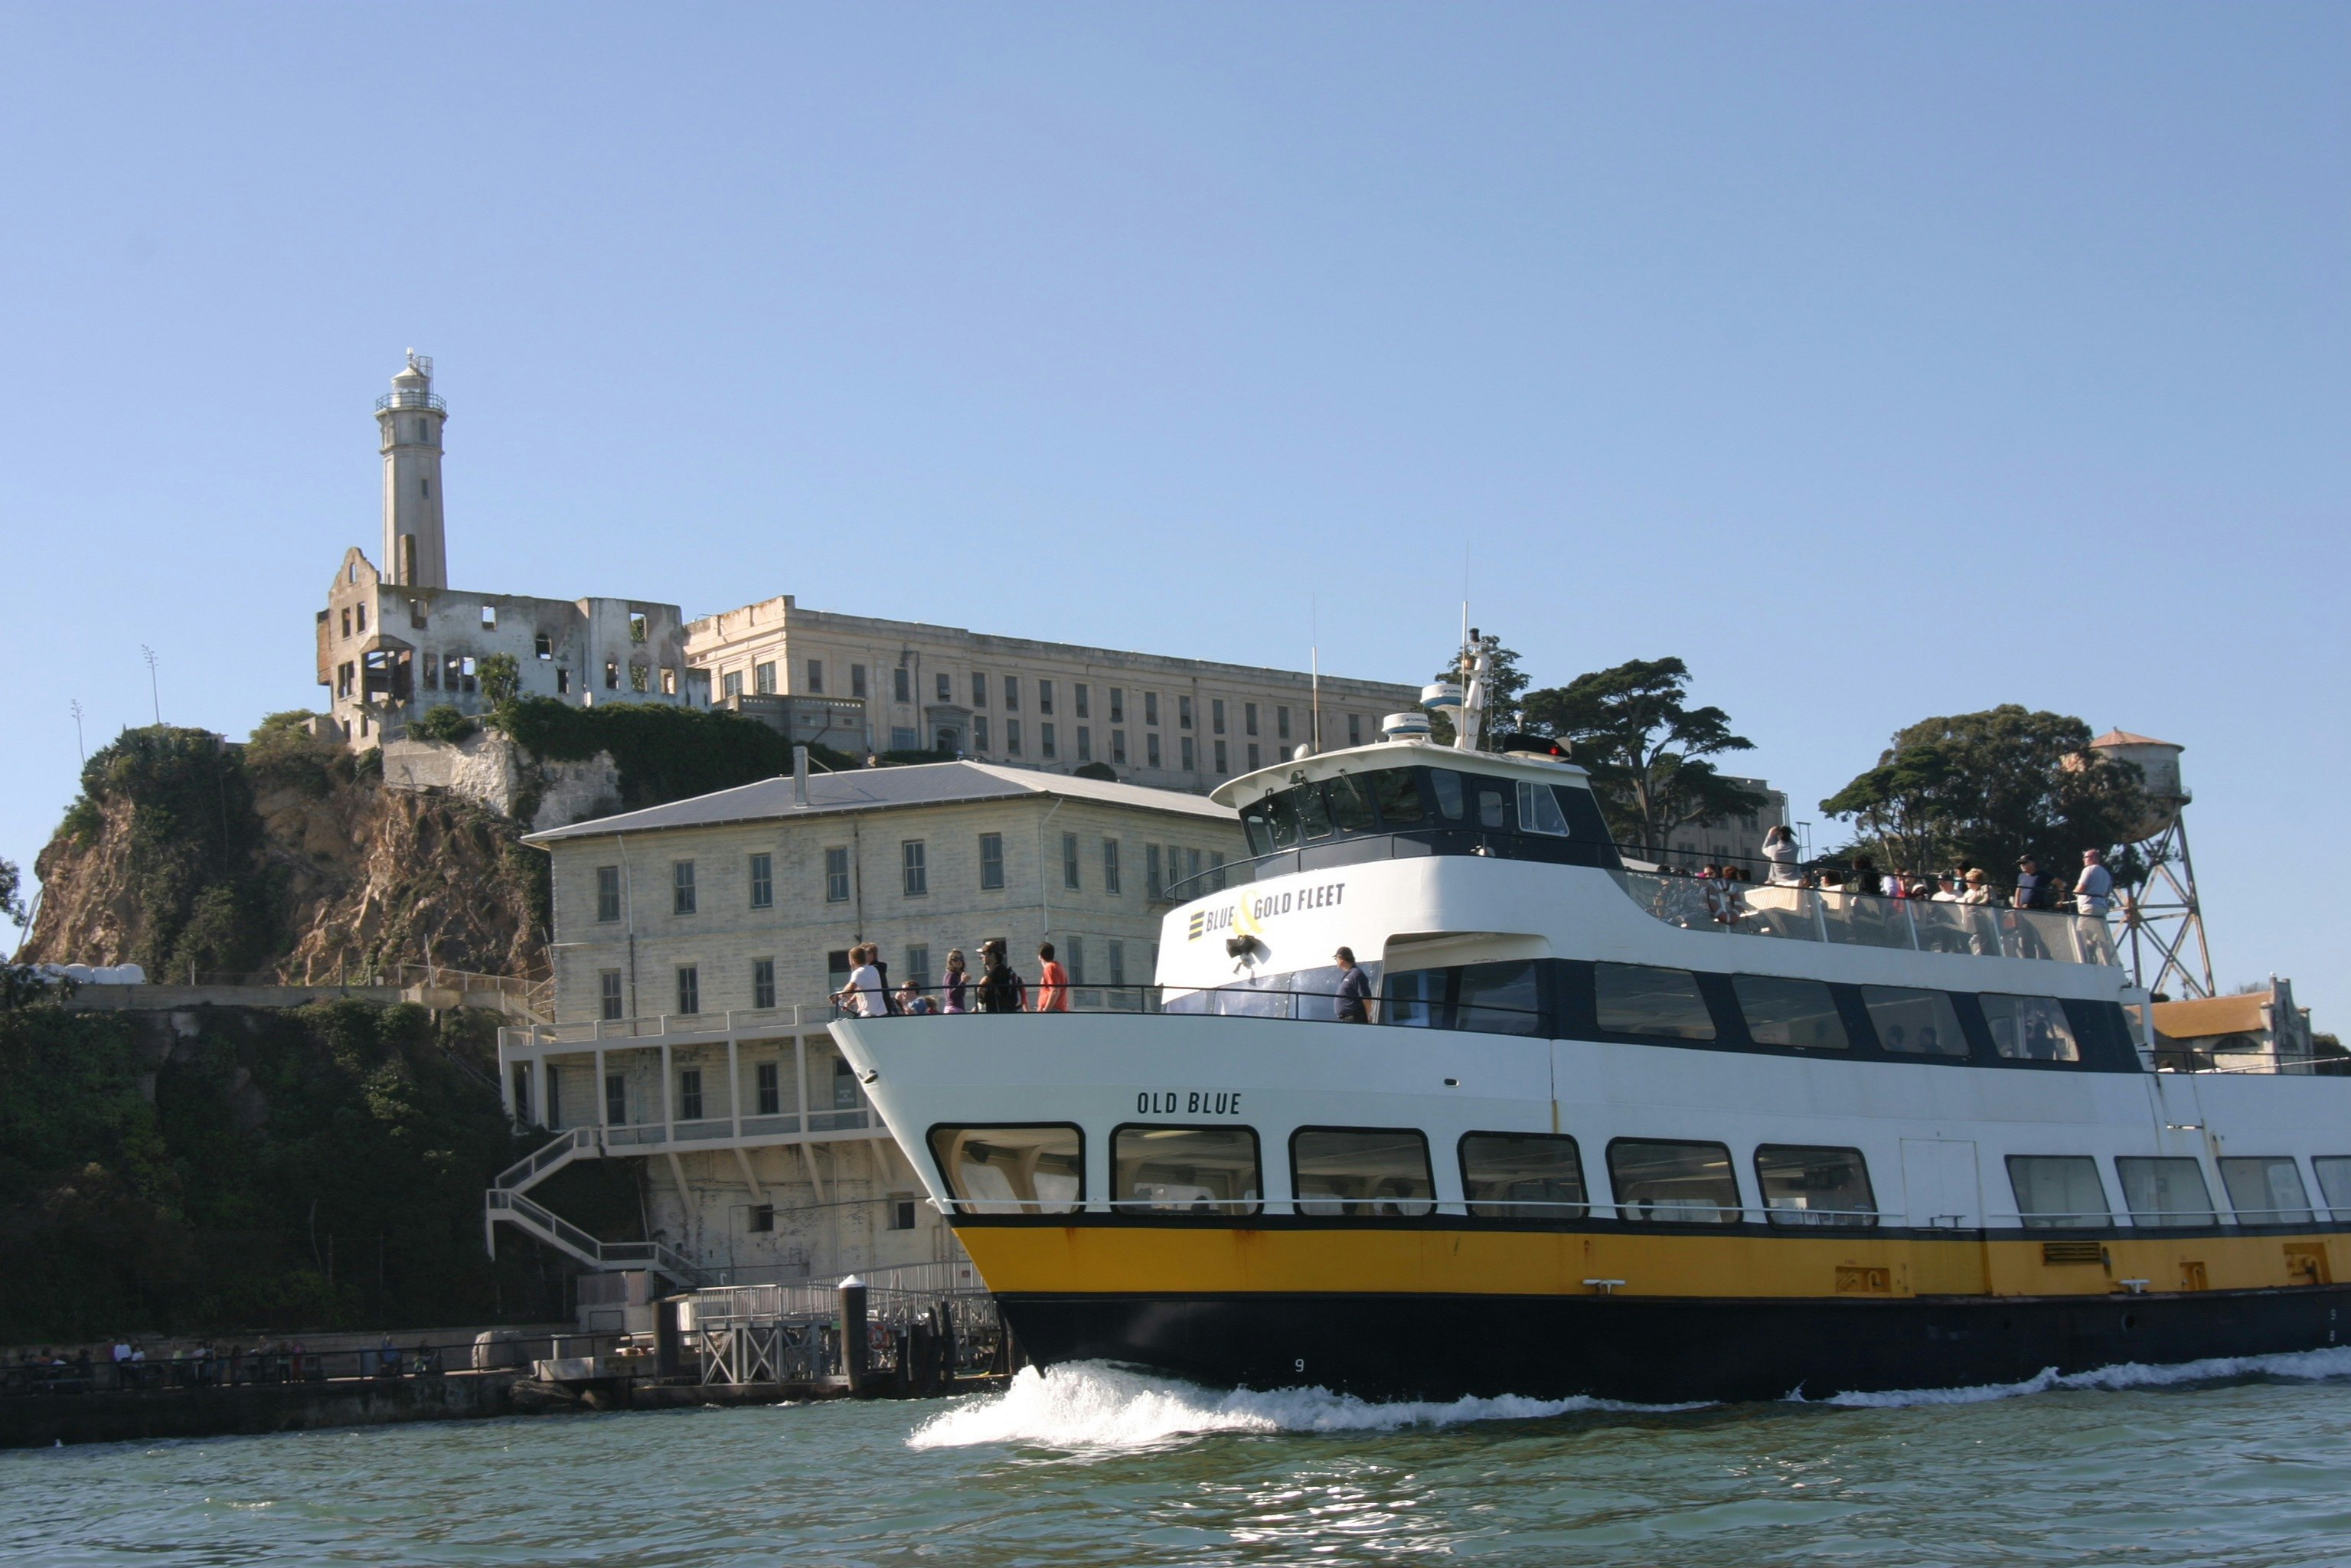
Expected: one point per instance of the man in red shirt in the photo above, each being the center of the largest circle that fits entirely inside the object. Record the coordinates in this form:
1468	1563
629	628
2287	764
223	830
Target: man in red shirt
1052	982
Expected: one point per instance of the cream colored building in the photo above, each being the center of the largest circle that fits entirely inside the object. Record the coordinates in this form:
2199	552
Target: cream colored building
1169	723
696	946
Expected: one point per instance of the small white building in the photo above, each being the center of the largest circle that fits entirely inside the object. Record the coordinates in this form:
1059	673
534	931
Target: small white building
696	947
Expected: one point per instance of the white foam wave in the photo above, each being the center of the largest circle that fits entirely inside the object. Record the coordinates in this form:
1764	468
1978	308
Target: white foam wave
1089	1405
2307	1364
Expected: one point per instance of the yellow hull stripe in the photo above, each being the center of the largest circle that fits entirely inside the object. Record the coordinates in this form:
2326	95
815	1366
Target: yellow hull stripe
1183	1261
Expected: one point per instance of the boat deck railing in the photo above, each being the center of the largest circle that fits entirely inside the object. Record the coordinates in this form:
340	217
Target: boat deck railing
1867	920
1745	907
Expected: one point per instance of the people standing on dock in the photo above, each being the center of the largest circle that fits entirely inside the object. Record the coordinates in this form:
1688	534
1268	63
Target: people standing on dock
955	984
1053	981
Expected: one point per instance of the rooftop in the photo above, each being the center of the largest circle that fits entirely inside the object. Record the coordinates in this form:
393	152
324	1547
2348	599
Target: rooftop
881	789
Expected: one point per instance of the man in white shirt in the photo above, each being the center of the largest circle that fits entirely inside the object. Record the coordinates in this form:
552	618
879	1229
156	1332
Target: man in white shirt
869	994
2095	885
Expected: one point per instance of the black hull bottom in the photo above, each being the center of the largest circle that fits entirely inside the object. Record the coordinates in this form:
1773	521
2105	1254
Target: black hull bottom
1661	1350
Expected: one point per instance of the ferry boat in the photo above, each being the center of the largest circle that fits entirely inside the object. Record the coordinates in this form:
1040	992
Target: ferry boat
1606	1131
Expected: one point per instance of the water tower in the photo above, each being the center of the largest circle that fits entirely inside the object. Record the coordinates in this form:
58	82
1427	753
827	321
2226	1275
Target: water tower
2161	916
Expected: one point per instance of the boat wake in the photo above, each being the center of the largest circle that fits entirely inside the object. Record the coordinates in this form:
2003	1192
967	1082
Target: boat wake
1096	1405
1093	1404
2310	1365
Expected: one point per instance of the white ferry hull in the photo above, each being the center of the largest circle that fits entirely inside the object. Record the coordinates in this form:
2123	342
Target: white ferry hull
1947	1286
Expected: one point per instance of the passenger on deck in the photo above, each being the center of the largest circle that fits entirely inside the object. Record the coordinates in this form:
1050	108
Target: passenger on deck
955	984
1355	988
1779	848
2094	886
1000	991
1052	982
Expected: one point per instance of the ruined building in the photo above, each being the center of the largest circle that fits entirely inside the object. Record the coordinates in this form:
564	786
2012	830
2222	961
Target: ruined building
396	640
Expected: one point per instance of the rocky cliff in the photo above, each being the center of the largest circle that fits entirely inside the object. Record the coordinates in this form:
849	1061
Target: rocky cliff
284	857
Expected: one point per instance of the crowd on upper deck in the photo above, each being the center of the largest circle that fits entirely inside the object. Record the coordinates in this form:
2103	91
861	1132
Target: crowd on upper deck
2091	893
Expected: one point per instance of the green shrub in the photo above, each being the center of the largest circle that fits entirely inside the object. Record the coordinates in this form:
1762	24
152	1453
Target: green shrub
663	753
443	723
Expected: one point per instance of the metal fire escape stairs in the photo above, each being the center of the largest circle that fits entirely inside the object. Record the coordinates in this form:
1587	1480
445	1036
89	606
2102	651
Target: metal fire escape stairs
504	1203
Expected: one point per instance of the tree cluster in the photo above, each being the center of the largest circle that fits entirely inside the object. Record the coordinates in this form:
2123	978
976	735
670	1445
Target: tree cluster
1981	788
1989	788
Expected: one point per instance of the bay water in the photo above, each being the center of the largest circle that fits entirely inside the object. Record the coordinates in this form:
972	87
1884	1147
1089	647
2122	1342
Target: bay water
2223	1462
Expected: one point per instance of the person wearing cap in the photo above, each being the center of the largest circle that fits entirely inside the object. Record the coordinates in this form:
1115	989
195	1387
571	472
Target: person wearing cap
1000	991
1355	988
2028	883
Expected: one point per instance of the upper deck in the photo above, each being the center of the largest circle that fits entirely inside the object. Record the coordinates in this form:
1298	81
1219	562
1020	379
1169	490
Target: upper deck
1415	800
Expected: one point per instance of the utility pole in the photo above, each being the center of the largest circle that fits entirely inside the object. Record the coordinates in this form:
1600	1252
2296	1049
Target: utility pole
153	691
75	707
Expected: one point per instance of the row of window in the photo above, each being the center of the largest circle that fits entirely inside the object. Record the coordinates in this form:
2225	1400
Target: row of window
767	1098
1384	1173
764	681
1416	799
1564	998
1073	950
1162	865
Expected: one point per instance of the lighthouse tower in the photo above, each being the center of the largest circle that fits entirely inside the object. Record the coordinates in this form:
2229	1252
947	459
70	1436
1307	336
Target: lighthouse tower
411	416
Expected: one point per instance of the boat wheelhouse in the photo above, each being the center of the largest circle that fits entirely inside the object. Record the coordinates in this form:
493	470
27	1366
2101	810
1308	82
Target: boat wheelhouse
1606	1131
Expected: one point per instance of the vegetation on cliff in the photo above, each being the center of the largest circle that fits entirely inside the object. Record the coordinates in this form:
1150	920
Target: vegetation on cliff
663	754
281	856
320	1167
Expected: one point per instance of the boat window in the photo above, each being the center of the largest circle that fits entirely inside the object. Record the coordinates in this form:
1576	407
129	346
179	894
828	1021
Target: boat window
2165	1191
1257	822
1281	816
1916	1023
1313	815
1500	999
1317	991
1539	811
1634	998
1397	790
2058	1192
1522	1176
1351	805
1012	1170
1673	1183
1184	1170
1814	1186
2030	1028
1363	1172
1789	1012
1445	785
1493	810
2265	1190
2335	1182
1414	997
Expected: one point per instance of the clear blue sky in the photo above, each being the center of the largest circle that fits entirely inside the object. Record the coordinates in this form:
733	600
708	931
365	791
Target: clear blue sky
1880	361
